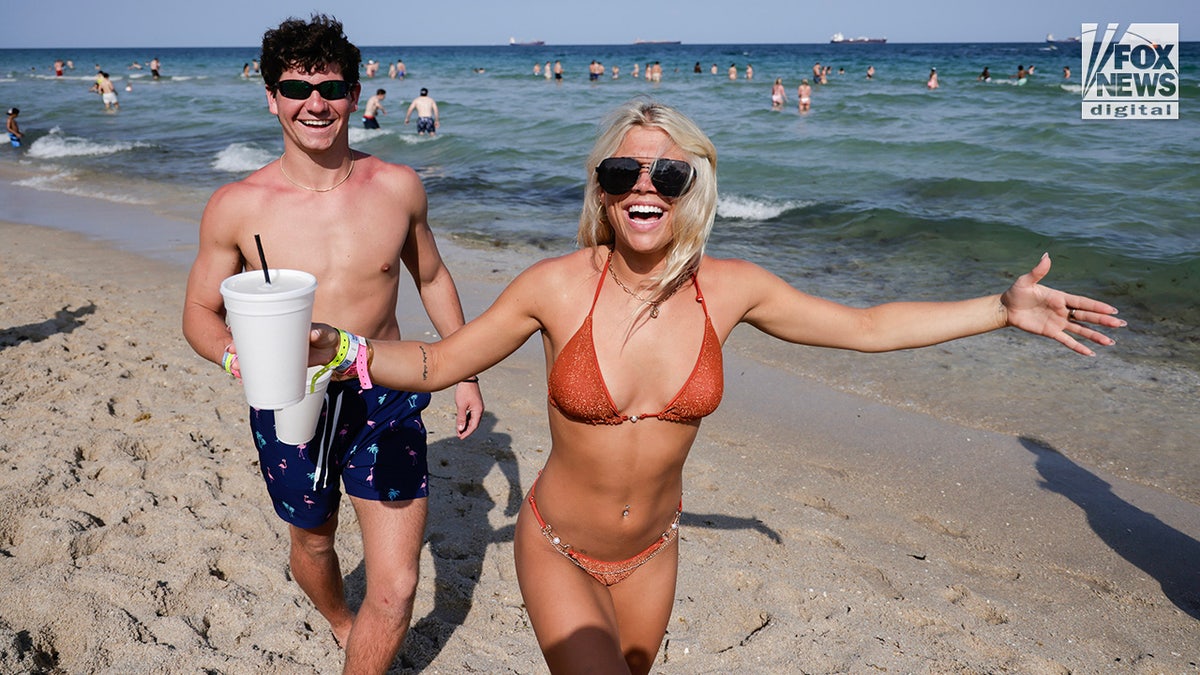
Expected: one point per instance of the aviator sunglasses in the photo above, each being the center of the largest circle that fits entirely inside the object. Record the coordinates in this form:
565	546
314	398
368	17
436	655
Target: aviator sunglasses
330	90
671	177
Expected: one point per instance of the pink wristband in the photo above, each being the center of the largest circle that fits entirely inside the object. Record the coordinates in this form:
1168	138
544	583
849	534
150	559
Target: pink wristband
361	365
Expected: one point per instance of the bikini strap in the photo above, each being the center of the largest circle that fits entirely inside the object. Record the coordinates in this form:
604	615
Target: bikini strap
699	293
600	286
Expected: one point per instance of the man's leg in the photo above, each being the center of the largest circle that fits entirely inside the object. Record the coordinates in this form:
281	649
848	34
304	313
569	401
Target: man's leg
392	536
314	563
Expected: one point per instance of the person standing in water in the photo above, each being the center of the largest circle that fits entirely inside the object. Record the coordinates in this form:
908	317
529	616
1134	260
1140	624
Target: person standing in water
427	114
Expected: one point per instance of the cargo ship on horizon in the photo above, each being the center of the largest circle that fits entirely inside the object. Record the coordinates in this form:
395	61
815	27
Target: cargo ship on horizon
839	39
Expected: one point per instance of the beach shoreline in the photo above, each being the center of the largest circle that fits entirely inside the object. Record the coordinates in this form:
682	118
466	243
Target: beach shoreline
1136	420
821	527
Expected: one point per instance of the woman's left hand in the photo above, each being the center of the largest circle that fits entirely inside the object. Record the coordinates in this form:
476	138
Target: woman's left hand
1045	311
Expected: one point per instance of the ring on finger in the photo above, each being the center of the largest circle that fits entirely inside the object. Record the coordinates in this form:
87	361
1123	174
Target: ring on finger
1071	314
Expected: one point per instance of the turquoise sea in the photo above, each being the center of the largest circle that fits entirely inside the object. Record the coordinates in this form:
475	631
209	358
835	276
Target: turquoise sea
884	190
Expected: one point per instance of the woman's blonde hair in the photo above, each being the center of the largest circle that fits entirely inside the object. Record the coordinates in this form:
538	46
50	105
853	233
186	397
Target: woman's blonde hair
693	213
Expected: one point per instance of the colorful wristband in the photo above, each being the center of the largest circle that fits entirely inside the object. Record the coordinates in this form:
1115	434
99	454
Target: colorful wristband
338	357
363	365
351	359
350	355
229	362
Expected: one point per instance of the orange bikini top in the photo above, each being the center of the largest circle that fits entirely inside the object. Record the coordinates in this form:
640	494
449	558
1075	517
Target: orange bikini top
577	388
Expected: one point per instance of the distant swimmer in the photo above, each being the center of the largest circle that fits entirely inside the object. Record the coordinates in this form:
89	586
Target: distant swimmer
778	94
58	67
1066	72
733	71
985	76
427	114
154	64
374	109
804	93
1022	75
108	92
870	72
14	129
932	83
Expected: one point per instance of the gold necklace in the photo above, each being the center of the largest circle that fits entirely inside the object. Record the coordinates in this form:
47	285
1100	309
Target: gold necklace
313	189
654	304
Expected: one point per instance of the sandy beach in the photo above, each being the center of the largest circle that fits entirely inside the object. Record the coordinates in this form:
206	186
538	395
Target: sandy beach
823	532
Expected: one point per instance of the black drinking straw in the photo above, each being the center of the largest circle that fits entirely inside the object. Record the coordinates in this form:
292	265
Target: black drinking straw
262	258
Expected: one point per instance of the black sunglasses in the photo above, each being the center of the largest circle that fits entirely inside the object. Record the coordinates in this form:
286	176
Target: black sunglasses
671	177
330	90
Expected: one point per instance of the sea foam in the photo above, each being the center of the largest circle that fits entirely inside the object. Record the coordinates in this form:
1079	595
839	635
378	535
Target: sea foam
749	208
240	158
56	145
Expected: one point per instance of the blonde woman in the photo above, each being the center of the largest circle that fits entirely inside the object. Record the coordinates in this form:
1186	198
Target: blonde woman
632	324
778	94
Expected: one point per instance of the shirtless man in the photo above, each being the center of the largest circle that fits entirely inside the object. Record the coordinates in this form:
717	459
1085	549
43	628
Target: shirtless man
352	220
374	109
427	114
108	92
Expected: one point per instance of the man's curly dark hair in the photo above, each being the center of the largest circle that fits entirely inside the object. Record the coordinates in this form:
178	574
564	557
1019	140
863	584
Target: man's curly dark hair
309	46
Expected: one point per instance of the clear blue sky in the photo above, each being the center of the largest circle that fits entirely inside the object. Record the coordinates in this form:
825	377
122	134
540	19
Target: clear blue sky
226	23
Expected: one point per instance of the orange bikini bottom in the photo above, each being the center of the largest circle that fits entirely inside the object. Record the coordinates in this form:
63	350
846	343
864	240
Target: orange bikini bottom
607	573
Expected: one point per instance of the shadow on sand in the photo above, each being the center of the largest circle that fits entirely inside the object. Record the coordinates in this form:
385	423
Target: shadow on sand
1162	552
64	321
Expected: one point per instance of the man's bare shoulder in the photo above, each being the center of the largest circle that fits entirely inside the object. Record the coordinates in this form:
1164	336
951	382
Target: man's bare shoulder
371	165
247	196
379	173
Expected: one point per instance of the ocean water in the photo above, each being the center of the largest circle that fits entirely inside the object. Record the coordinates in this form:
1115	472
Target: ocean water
883	190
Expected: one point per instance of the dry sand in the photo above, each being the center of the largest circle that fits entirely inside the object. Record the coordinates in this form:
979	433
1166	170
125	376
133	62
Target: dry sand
823	532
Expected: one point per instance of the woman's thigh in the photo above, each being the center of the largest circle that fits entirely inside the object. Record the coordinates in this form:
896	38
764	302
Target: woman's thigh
579	621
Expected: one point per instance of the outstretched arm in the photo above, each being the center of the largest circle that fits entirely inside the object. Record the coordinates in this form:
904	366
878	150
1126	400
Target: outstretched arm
477	346
784	312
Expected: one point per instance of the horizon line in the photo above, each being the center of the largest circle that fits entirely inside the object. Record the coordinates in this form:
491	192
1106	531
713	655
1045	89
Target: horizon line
581	44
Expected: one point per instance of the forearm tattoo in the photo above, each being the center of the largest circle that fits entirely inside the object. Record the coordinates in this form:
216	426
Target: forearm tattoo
424	363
